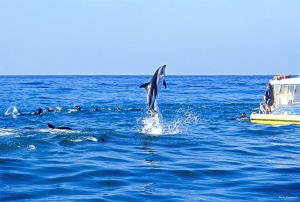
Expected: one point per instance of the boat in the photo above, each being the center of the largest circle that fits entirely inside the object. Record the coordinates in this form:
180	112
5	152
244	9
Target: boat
286	106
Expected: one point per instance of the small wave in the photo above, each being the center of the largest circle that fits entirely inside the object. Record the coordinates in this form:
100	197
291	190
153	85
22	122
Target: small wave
57	131
31	147
77	140
13	111
92	139
6	131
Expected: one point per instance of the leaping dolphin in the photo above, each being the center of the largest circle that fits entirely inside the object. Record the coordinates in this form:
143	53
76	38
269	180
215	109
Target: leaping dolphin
153	88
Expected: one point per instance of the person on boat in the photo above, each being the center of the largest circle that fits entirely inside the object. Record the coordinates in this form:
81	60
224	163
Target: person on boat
269	97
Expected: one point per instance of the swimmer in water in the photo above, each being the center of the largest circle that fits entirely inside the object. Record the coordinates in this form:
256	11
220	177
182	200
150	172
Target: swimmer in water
243	116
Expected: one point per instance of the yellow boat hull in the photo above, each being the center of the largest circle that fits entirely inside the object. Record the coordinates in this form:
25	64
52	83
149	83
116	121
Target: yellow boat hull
275	119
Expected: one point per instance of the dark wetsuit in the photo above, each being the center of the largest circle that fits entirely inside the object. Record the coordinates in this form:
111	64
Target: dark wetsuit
269	96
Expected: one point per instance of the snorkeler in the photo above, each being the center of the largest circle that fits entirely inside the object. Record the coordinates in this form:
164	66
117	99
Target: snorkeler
243	116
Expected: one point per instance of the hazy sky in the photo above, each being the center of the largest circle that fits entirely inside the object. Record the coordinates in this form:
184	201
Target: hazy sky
136	36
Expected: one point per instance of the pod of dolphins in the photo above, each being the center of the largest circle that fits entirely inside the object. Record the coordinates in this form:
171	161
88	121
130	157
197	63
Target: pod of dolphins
152	87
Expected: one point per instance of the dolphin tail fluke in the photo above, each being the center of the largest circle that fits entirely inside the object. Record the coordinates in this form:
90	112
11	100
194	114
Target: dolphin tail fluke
145	85
50	125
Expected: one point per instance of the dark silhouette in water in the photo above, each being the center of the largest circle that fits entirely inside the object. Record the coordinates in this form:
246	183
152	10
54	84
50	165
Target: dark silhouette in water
101	140
38	112
61	128
78	107
67	128
243	116
96	109
118	109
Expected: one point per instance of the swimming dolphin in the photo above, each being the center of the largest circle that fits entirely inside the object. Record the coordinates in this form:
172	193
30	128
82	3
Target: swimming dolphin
153	88
61	128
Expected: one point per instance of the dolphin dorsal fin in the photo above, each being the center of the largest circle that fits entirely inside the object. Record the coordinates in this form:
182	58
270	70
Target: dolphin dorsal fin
145	85
50	125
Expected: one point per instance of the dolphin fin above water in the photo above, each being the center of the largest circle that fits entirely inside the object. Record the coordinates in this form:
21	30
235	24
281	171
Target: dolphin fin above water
61	128
145	85
50	126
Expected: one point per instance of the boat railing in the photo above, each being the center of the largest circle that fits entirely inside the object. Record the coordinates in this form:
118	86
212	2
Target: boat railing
262	108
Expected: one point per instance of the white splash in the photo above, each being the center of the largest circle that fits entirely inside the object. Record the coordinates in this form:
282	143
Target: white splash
152	125
178	124
13	111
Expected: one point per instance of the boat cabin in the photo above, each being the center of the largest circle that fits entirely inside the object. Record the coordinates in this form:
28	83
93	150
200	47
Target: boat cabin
286	92
286	106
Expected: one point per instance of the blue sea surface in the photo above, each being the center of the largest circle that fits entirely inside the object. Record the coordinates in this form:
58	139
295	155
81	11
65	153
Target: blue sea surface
194	151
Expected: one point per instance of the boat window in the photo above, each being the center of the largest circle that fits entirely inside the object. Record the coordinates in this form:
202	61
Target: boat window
296	99
285	95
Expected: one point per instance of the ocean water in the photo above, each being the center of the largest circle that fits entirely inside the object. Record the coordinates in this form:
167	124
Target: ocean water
194	150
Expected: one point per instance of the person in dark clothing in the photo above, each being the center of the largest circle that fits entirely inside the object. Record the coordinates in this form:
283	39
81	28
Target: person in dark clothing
269	97
38	112
243	116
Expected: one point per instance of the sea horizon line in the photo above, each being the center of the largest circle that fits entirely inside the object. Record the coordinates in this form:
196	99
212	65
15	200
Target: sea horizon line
185	75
